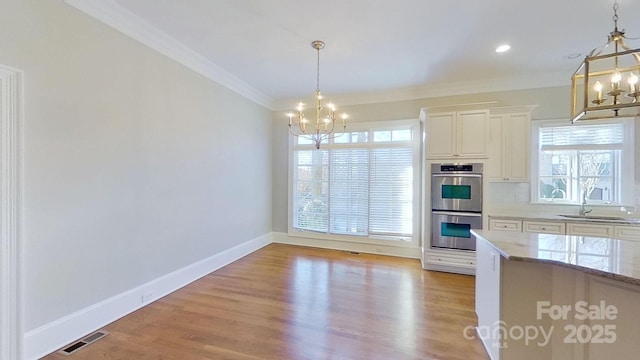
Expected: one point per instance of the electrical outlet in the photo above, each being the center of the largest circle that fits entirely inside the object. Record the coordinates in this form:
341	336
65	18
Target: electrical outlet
146	297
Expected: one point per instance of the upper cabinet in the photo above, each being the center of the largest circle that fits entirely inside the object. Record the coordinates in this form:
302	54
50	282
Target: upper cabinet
508	146
457	134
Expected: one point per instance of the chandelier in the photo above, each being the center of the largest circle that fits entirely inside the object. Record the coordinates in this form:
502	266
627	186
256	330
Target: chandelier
321	128
606	83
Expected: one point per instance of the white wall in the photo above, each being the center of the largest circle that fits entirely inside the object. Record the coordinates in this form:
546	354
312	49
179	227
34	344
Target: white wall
134	166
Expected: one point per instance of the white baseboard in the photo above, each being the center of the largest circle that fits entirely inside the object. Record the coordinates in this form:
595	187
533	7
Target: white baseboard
400	251
52	336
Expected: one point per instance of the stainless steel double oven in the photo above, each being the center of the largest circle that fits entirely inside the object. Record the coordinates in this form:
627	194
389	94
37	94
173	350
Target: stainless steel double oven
456	205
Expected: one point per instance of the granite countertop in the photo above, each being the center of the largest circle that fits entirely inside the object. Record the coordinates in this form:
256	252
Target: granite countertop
609	220
610	258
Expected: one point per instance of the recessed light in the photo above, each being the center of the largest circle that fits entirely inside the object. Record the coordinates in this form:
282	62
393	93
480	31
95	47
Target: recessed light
503	48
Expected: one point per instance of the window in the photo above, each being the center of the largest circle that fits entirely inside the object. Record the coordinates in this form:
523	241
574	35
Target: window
362	184
587	160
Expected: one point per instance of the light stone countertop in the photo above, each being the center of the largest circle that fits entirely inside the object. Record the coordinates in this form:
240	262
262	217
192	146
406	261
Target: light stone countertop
611	258
609	220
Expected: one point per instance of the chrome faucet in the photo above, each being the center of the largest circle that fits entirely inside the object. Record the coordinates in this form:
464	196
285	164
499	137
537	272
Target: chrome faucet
583	209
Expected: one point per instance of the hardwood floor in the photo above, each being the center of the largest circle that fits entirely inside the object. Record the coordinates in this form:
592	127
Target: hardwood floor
290	302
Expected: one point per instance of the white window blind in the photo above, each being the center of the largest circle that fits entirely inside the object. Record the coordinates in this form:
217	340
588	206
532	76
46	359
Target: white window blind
349	188
392	191
359	184
591	135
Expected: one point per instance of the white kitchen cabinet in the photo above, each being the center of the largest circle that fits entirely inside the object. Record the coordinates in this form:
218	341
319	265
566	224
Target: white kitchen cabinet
596	230
457	135
505	225
454	261
626	232
544	227
577	228
508	147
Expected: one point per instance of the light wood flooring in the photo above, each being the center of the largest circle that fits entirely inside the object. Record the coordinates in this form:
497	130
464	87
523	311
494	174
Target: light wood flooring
290	302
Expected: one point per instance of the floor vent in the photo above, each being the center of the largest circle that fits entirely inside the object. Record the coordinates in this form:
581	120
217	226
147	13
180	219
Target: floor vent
83	342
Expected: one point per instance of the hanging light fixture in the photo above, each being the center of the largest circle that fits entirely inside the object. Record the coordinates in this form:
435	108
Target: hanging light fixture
606	83
321	128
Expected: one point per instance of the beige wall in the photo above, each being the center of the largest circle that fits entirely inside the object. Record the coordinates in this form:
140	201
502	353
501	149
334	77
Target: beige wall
134	166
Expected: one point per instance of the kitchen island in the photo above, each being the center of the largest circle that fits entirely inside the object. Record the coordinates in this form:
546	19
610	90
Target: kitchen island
544	296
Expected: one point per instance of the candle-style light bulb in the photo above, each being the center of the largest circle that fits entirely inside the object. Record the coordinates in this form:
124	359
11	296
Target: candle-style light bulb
327	121
633	83
615	80
598	88
290	115
344	119
300	106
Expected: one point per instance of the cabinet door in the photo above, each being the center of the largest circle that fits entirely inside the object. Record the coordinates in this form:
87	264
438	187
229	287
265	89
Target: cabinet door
626	232
505	225
440	135
496	169
508	147
595	230
472	134
542	227
517	147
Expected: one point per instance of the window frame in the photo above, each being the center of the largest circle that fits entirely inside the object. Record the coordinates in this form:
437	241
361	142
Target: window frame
412	241
627	162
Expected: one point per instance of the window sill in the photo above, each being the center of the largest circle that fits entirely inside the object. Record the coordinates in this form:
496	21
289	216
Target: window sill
411	242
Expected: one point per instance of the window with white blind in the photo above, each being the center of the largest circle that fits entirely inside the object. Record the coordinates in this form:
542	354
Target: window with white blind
361	185
590	160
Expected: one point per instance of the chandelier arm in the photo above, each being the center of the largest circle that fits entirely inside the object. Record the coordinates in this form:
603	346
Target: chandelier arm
301	132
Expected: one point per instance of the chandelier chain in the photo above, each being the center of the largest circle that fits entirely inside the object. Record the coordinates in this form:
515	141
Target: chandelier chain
615	13
318	71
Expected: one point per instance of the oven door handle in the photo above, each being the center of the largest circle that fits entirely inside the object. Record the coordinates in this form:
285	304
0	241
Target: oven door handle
457	175
455	213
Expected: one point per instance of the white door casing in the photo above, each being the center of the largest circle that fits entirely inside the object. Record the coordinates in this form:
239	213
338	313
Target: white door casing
11	334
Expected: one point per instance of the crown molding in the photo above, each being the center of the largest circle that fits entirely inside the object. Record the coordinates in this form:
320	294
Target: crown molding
119	18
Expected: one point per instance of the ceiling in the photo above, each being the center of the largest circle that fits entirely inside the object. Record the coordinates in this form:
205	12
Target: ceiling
376	50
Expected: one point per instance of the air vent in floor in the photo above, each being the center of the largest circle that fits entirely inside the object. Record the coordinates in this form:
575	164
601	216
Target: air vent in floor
83	342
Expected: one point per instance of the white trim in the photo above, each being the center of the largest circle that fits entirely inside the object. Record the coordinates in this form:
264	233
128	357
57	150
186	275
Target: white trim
119	18
380	249
54	335
11	110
